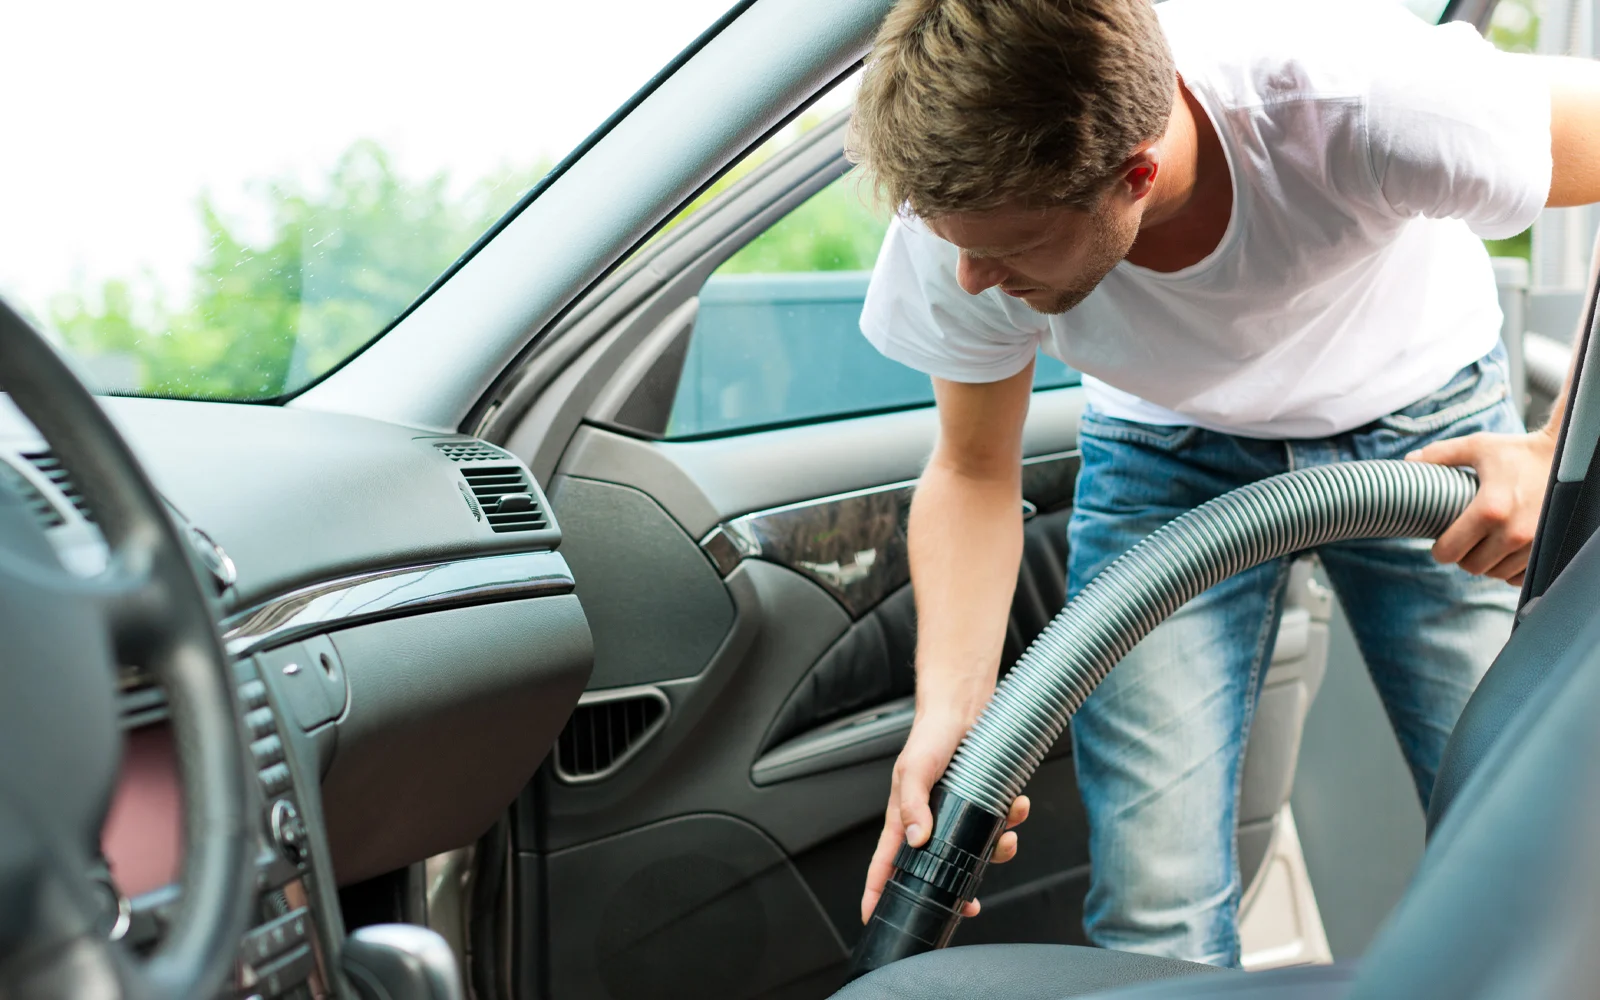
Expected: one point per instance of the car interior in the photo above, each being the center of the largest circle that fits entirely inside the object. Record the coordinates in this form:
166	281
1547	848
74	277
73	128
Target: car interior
558	643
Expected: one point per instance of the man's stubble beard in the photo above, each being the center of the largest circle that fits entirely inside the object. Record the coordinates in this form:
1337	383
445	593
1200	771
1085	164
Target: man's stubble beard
1112	241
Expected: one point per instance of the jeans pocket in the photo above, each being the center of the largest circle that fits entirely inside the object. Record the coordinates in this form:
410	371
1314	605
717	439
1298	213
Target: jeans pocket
1475	388
1095	424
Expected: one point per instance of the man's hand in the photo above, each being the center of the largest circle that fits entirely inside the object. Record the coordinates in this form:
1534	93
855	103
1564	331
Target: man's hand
927	753
1494	535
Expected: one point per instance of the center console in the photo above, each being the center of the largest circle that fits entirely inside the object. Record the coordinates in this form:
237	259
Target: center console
285	953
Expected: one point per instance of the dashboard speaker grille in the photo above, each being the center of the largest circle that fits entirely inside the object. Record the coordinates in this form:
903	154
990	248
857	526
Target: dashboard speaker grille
471	451
39	506
602	735
507	498
47	463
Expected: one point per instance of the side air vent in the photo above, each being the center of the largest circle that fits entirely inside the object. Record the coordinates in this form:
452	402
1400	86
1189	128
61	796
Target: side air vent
507	498
43	511
47	463
606	731
470	451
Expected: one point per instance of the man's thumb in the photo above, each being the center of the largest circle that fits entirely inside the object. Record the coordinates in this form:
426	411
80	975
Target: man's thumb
914	813
1451	451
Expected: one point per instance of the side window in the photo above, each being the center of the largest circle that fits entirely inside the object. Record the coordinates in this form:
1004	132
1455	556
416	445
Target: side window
777	339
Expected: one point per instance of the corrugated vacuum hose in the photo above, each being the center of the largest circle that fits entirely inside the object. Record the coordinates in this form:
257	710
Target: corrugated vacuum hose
1275	517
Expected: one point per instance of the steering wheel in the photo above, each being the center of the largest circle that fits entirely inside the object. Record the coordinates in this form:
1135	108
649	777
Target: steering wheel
62	639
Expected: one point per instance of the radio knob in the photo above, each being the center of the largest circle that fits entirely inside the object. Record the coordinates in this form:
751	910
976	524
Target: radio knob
289	830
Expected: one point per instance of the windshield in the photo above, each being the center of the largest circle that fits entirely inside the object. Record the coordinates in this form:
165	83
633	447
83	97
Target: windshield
225	201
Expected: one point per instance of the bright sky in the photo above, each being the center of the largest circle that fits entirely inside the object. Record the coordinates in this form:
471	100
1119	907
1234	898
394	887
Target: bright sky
118	115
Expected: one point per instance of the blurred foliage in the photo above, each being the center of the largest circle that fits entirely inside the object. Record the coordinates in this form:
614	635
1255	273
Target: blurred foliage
1515	26
1520	245
836	229
337	265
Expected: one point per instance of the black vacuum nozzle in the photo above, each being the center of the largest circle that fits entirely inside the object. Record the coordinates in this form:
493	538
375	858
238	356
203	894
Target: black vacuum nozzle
921	904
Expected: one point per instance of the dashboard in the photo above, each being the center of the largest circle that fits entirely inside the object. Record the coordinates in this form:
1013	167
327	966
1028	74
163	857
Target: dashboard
405	639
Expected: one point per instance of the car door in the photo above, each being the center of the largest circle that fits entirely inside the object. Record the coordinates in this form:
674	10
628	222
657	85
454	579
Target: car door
732	465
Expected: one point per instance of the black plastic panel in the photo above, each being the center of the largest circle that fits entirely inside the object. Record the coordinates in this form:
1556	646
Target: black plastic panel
449	716
295	496
703	906
655	602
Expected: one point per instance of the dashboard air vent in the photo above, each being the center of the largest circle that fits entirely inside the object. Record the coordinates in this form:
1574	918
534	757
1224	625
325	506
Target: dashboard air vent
470	451
603	734
47	463
43	511
507	498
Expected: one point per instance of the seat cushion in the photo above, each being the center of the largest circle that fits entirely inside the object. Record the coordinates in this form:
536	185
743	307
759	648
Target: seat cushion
1016	972
1303	982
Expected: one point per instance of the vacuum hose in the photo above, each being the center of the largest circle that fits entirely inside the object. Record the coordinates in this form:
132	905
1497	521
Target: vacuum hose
922	902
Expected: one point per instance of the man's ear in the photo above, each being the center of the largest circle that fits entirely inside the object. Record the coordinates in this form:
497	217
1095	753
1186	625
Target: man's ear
1138	172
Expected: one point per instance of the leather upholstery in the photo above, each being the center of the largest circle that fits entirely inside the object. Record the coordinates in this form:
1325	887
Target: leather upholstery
1546	631
1506	902
870	664
1314	982
1017	972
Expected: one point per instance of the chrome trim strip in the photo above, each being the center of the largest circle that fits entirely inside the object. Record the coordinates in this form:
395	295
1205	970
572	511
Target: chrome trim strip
392	593
853	544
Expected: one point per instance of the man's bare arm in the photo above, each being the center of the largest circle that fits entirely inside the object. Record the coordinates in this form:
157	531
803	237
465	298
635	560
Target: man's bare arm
965	542
1574	131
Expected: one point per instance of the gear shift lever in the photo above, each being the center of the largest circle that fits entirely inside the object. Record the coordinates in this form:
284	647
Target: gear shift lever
401	962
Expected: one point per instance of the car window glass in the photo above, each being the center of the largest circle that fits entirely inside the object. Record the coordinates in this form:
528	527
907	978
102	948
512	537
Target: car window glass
777	339
223	200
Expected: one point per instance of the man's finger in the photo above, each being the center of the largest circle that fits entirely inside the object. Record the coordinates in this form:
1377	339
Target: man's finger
1491	550
1468	529
1450	451
881	866
1004	849
1019	811
971	909
1511	566
1463	535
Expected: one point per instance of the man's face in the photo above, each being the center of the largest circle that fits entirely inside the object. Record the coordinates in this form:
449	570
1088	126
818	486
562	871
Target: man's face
1050	258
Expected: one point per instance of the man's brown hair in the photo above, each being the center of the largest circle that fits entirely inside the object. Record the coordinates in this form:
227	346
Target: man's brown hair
969	104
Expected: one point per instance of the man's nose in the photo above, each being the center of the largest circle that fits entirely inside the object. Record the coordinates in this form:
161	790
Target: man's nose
974	274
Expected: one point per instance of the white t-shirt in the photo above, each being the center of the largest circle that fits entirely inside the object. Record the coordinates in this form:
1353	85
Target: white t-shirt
1368	151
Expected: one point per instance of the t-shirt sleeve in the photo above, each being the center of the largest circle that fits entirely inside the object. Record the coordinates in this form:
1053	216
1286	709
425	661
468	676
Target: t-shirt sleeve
916	314
1458	129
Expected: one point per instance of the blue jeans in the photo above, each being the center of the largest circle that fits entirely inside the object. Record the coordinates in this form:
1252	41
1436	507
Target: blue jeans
1160	745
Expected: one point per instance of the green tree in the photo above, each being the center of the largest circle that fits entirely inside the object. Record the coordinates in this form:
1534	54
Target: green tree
836	229
339	264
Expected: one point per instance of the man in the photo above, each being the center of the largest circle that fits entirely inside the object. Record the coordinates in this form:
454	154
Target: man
1255	227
